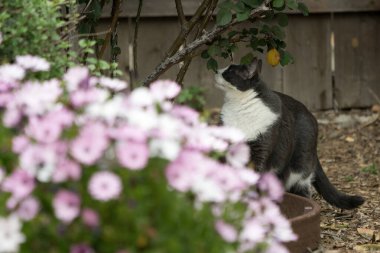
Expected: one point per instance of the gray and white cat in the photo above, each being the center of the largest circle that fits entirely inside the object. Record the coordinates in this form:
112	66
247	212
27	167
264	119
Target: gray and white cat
281	132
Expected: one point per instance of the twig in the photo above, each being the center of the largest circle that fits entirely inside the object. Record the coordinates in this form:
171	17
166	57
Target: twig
191	47
182	72
186	28
137	23
115	16
181	15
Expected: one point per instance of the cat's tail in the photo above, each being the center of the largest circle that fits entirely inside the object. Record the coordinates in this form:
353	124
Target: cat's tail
336	198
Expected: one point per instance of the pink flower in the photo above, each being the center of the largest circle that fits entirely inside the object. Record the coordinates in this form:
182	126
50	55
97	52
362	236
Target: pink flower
5	97
33	63
83	97
275	247
77	77
270	184
128	133
254	231
181	172
39	161
11	117
112	84
19	143
28	208
20	184
164	89
226	231
90	217
81	248
89	146
43	129
66	170
132	155
44	99
62	116
238	155
105	186
188	115
66	206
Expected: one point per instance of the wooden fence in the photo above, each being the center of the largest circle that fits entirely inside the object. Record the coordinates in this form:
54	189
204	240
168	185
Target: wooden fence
321	77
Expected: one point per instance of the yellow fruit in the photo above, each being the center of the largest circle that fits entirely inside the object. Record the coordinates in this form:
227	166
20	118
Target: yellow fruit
273	57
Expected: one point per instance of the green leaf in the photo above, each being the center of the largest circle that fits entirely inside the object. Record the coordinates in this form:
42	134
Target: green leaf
103	65
278	3
247	59
240	7
227	4
278	32
286	58
282	19
212	64
292	4
213	50
82	43
253	3
205	54
303	8
242	16
223	17
232	34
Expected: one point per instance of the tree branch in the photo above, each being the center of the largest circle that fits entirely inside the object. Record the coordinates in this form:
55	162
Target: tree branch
115	16
207	37
137	22
181	15
186	28
209	12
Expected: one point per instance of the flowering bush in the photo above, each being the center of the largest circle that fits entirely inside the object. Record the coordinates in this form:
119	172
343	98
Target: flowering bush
89	167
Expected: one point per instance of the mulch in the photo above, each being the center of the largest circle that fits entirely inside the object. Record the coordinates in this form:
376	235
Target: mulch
349	151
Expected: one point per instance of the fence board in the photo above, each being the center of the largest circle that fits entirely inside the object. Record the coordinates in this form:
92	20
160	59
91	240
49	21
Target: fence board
357	59
309	78
166	8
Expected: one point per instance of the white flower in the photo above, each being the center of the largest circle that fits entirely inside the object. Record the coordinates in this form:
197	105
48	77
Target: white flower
108	110
10	234
11	73
164	89
112	84
141	97
33	63
165	148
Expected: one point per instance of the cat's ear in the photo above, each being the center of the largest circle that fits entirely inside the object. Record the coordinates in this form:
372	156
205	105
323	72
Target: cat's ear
254	68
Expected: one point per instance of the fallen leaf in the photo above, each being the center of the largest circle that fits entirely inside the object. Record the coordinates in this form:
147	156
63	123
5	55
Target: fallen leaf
367	248
366	233
349	139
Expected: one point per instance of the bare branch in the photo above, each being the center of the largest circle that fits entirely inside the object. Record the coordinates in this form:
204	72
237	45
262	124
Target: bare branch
115	16
137	22
209	12
191	47
181	15
187	28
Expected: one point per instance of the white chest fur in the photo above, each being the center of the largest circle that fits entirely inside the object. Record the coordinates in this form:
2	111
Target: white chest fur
247	112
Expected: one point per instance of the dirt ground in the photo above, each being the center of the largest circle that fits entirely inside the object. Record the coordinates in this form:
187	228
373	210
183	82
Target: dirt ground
349	150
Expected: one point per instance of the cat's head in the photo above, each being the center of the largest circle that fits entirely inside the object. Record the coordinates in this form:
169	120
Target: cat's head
239	77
